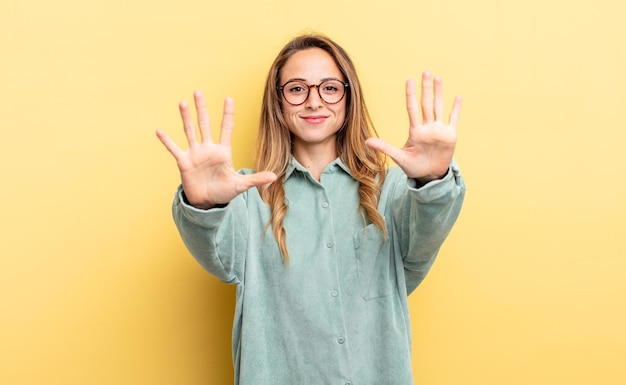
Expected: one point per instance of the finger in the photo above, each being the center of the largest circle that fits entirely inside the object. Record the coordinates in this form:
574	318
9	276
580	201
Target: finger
204	123
411	103
456	111
171	146
438	99
384	147
260	178
427	97
188	126
228	121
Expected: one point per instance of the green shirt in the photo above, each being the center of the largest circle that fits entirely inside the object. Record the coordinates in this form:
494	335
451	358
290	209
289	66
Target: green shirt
338	314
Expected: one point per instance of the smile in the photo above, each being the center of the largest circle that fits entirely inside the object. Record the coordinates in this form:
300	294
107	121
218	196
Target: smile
317	119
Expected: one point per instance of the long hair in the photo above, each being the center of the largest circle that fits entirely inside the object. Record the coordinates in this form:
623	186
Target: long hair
273	149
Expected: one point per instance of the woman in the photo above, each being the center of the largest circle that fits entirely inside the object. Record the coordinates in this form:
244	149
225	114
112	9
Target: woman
329	243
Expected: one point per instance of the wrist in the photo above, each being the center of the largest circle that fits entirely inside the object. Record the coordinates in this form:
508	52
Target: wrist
422	181
200	206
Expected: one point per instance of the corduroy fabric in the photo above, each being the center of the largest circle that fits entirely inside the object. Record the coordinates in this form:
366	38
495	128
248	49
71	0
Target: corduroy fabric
338	314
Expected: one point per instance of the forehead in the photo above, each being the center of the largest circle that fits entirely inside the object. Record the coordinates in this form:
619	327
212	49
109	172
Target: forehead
312	65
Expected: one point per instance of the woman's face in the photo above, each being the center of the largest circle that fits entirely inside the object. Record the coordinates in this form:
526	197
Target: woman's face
313	122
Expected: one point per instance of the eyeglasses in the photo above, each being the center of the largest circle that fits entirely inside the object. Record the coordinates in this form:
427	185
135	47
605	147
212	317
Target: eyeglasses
296	92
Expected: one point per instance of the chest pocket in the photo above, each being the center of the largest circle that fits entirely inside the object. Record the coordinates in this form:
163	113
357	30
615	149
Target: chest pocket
374	263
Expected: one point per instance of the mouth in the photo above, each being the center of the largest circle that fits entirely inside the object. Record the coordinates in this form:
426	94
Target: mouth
315	119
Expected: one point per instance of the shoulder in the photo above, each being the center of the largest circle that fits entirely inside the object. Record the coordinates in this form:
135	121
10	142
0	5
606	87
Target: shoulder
394	176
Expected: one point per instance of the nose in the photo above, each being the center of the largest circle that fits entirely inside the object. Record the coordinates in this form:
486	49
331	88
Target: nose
314	101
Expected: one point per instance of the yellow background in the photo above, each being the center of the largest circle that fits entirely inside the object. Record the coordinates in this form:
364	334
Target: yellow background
97	288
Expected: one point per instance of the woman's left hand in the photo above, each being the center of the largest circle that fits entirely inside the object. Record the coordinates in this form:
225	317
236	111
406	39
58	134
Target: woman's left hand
427	154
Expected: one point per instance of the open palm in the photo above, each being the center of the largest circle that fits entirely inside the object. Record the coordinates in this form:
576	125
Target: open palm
430	146
206	168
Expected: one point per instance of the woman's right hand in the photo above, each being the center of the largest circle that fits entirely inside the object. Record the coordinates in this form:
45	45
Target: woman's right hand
206	168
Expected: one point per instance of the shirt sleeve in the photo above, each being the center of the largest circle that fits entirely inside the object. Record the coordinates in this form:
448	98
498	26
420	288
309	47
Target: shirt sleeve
217	238
423	218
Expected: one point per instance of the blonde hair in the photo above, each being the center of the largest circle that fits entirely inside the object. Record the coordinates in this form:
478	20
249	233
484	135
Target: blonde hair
273	150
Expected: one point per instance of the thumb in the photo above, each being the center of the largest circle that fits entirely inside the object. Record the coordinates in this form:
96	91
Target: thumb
261	178
384	147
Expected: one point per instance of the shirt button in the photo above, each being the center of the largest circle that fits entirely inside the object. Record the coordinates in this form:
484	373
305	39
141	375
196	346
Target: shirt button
334	293
348	383
325	204
341	340
329	245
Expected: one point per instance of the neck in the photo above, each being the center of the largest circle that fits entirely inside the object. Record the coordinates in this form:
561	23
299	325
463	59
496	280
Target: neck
315	157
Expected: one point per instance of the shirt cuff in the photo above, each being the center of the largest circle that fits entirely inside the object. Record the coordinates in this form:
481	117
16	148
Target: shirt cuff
206	218
436	189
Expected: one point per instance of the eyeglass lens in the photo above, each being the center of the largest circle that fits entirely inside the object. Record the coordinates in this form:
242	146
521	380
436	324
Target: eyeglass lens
297	92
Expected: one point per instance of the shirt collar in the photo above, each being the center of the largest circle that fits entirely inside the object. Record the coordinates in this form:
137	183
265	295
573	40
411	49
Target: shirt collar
295	165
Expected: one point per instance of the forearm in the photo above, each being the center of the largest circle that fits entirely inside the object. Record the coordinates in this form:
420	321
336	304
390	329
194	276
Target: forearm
210	235
427	216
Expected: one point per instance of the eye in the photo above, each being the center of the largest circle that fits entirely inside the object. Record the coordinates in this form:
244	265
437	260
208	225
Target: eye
331	87
296	88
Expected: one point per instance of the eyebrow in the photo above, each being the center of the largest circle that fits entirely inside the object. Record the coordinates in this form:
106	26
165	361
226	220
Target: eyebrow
305	81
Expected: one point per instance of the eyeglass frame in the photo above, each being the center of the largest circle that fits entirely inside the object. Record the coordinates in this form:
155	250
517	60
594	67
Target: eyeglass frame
308	91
